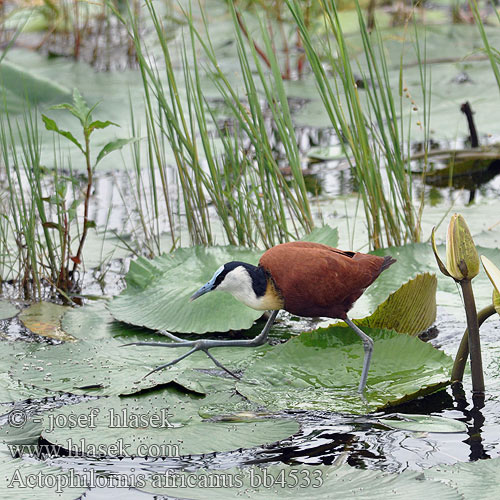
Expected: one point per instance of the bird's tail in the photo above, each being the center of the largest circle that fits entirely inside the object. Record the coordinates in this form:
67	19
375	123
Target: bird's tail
388	261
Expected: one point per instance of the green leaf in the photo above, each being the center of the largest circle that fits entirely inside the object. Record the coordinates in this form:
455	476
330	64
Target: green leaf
104	368
324	234
472	480
11	390
165	423
492	271
423	423
158	291
411	309
320	370
20	83
7	310
17	474
52	126
113	146
302	482
97	124
44	318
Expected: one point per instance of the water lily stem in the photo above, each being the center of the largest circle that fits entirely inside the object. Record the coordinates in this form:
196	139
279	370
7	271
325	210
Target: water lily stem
457	373
476	363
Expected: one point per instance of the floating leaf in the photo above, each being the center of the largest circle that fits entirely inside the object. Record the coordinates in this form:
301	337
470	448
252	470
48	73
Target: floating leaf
165	423
11	390
17	476
320	370
411	309
423	423
103	368
299	482
324	234
7	310
472	480
158	291
20	84
44	318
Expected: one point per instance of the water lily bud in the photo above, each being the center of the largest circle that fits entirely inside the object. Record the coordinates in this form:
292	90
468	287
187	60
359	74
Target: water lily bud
462	260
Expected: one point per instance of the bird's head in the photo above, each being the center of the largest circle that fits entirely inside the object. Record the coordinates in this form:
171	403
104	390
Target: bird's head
230	277
247	283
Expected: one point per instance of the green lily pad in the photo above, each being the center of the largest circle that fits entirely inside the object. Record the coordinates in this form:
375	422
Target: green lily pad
411	309
165	423
414	259
298	481
94	322
325	235
20	84
44	318
105	369
320	370
7	310
18	476
11	390
472	480
423	423
158	291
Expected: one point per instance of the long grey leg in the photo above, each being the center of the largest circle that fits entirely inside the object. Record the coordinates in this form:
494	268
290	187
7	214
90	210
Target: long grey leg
368	347
205	345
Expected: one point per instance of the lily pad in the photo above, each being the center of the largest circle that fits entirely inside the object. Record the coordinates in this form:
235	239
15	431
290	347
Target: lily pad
105	369
165	423
325	235
423	423
301	482
7	310
18	475
11	390
320	370
158	291
44	318
94	322
411	309
415	259
472	480
20	84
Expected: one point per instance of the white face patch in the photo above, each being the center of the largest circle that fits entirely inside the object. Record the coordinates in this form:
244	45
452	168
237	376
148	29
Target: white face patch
239	284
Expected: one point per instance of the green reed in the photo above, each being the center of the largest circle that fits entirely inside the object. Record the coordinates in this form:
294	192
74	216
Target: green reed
372	129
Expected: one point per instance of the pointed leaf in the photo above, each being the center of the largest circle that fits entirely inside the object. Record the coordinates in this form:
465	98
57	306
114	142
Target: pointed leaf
113	146
492	271
51	125
411	309
97	124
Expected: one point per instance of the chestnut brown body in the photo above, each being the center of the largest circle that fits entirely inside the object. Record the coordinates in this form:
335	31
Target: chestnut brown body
317	280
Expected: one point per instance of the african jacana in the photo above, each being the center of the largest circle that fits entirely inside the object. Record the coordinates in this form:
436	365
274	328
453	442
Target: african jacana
303	278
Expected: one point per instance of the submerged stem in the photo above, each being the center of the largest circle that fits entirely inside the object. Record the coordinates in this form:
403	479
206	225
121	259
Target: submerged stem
474	342
457	373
